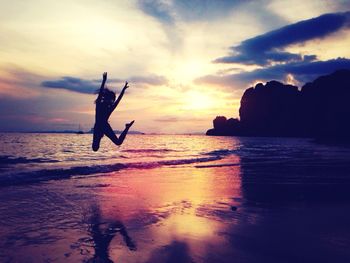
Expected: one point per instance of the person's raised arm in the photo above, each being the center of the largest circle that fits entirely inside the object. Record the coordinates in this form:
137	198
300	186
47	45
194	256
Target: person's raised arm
102	85
120	96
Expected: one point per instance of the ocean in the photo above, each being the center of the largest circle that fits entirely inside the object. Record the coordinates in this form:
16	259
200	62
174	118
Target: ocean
173	198
39	157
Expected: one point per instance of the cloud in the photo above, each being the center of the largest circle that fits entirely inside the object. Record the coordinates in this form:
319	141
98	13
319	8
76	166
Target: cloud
302	71
183	118
159	9
187	10
154	80
90	86
178	17
162	11
73	84
35	113
167	119
268	47
267	50
19	83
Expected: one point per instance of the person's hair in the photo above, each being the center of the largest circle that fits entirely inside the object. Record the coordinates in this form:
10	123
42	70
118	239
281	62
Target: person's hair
107	95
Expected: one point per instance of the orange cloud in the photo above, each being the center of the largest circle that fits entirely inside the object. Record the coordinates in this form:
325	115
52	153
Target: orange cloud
18	83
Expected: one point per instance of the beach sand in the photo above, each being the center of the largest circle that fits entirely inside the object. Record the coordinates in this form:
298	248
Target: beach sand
173	214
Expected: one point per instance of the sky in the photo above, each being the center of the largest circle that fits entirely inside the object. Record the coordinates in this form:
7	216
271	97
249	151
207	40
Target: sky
186	61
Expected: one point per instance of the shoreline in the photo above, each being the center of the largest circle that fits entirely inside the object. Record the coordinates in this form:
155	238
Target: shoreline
162	210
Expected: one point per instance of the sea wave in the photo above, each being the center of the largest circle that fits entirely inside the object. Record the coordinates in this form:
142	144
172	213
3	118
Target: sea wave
222	152
148	150
216	165
7	160
66	173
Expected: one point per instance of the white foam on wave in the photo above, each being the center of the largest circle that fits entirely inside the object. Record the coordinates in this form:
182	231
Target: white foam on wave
66	173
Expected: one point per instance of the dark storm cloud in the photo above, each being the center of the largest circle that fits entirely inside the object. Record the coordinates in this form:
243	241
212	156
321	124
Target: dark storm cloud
303	71
267	48
90	86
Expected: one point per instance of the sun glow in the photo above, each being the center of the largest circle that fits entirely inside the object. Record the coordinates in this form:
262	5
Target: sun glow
188	70
196	100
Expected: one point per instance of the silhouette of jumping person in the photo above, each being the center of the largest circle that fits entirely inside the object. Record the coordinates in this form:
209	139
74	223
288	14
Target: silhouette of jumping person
105	105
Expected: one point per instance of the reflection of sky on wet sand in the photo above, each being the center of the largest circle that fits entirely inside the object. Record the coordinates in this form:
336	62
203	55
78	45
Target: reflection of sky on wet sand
267	207
171	211
162	210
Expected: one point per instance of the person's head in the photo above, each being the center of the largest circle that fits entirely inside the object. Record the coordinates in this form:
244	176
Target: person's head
108	97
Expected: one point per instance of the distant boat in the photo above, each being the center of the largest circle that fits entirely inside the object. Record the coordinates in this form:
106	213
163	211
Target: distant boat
80	130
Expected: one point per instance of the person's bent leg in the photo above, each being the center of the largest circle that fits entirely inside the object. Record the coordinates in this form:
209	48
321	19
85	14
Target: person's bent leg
123	134
111	135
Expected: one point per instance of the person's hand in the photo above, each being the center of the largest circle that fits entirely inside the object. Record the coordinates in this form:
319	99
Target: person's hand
104	76
126	85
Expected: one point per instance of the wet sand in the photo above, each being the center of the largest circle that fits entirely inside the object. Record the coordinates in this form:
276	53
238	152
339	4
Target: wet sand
177	214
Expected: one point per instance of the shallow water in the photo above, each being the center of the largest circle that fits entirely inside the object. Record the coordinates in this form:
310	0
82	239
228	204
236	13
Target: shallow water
173	199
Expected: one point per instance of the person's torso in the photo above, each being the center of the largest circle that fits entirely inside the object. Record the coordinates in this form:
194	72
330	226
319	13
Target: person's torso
102	113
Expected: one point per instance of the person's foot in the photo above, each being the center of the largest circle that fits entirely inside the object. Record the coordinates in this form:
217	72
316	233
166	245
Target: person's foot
128	125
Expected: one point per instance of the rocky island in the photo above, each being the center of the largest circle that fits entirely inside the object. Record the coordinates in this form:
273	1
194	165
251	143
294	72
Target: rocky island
320	109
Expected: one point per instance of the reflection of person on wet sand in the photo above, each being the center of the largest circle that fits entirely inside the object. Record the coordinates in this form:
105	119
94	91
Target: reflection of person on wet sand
102	235
105	105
